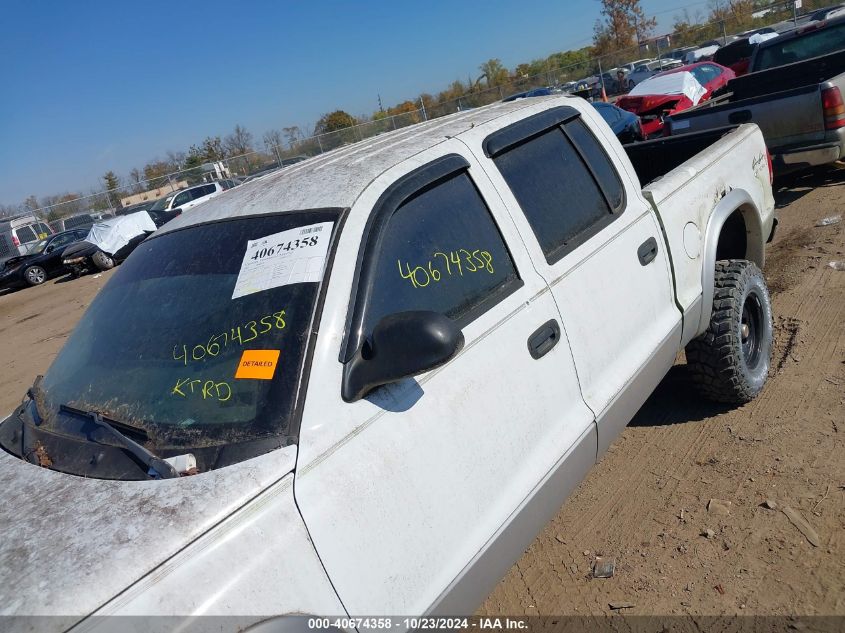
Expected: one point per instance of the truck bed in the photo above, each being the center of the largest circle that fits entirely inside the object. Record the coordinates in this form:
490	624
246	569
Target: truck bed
683	177
656	158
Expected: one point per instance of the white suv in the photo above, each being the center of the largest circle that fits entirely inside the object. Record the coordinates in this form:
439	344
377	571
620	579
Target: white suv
192	196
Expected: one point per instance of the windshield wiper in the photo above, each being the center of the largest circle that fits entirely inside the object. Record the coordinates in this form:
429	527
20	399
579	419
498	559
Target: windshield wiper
162	468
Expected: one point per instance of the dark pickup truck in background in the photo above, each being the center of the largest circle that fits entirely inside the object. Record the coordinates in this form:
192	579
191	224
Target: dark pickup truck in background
793	93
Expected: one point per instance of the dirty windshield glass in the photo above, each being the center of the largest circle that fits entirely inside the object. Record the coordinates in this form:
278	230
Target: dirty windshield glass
161	203
199	337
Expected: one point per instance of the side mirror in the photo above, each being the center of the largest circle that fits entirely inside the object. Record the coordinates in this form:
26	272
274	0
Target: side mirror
50	249
403	344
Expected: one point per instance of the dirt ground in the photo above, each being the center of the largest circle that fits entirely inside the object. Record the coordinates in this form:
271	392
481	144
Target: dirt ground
646	503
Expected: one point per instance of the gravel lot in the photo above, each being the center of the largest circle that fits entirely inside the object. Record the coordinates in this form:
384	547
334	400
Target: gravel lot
646	503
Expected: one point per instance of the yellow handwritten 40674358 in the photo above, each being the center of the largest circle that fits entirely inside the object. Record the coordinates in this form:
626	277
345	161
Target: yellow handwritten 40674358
251	331
456	264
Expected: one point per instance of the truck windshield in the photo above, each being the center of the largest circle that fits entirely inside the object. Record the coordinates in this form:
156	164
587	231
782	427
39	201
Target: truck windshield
199	337
813	44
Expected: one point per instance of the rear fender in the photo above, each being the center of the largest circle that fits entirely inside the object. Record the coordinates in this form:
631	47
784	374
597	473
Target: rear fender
741	201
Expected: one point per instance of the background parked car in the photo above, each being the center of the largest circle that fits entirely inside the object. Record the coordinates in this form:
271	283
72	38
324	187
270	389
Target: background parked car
190	197
630	66
19	233
44	260
644	71
674	91
141	206
79	221
825	14
625	125
108	243
535	92
160	218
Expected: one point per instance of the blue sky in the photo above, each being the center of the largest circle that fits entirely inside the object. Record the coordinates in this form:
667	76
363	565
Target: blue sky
92	86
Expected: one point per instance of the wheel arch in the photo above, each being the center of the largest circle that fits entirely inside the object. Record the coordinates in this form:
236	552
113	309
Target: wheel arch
734	231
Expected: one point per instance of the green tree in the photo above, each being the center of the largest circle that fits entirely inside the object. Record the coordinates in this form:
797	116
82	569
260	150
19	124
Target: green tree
155	173
493	72
623	24
193	165
113	192
334	121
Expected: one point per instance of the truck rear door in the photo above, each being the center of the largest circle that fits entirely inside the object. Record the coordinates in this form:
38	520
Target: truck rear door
596	241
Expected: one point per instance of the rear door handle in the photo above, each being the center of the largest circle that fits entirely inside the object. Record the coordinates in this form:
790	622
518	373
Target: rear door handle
647	251
740	116
544	339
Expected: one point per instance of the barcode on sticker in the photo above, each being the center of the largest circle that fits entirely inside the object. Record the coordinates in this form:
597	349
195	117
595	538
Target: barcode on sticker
311	229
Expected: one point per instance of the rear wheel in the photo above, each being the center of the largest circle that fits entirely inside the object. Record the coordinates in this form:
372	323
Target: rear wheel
730	361
35	275
102	261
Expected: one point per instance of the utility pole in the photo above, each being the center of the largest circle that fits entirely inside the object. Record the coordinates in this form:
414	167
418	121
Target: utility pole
601	78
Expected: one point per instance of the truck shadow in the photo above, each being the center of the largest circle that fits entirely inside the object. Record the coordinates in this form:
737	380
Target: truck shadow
676	401
793	187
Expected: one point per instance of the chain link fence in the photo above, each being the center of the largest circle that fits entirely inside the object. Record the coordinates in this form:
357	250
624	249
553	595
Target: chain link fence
254	163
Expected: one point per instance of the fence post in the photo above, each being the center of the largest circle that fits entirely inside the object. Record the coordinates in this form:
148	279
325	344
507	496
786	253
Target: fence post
319	143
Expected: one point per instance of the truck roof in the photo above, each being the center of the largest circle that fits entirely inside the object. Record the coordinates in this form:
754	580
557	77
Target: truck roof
338	177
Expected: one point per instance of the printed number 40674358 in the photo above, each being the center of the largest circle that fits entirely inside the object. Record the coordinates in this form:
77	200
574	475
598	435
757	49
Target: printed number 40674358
455	262
284	247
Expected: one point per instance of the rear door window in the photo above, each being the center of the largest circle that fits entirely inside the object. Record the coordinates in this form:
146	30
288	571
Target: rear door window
62	240
441	251
813	44
26	234
565	184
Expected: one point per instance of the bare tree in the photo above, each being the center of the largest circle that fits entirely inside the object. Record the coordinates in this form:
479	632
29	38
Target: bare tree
273	142
292	135
136	180
238	142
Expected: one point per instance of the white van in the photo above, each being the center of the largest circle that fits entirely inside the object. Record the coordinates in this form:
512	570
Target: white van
19	233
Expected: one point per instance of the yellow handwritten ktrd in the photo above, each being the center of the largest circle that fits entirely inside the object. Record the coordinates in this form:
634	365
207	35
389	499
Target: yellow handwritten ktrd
208	389
460	260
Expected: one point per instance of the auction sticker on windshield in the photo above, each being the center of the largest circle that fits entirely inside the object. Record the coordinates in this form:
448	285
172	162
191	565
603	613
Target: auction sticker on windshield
290	257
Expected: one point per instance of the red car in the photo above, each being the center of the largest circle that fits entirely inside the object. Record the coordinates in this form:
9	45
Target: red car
673	91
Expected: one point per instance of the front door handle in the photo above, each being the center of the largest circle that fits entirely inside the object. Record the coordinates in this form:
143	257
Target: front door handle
647	251
544	339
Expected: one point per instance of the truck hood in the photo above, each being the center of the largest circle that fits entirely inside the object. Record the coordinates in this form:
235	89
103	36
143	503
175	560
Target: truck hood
71	544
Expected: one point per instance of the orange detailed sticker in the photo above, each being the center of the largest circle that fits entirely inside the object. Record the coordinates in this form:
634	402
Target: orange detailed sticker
258	363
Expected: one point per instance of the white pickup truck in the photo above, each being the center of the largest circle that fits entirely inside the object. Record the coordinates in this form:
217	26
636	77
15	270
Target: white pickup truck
361	386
